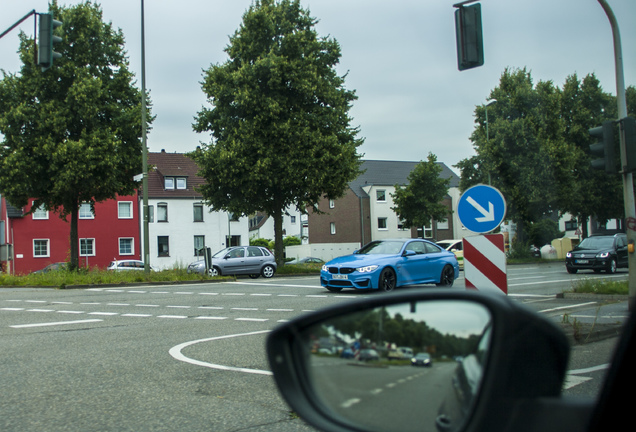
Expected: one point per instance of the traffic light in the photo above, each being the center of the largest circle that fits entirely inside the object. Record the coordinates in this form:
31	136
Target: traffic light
470	44
628	130
603	148
46	39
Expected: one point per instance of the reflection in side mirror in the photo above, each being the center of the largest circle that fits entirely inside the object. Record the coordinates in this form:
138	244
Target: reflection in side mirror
413	366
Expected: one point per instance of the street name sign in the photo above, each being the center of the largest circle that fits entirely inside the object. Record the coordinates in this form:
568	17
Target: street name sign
481	208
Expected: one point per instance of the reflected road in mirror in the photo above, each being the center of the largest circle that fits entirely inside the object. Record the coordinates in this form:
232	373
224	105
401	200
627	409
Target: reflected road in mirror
405	367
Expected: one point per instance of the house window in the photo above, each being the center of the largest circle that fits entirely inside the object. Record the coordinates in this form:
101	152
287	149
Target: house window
382	223
199	245
401	225
126	246
40	213
442	225
162	212
124	210
40	248
151	214
181	183
168	183
380	195
198	212
292	219
163	246
86	212
87	247
333	227
332	203
571	225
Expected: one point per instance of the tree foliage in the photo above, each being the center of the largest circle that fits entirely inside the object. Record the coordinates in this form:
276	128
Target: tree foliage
537	149
420	201
72	132
279	118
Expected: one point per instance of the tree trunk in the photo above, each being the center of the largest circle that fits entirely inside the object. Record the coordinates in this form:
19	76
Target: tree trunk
279	249
74	246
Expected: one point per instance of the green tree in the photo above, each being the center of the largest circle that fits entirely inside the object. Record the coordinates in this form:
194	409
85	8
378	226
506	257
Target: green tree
420	201
279	118
71	133
593	193
524	154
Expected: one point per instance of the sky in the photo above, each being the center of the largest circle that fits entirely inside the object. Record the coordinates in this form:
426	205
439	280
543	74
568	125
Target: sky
399	56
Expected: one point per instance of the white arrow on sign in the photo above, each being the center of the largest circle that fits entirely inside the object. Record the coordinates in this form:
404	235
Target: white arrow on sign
489	215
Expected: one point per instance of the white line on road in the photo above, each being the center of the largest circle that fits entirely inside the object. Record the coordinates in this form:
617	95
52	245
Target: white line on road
567	307
55	323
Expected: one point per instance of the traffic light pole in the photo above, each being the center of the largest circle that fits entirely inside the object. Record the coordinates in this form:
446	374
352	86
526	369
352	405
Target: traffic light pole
628	182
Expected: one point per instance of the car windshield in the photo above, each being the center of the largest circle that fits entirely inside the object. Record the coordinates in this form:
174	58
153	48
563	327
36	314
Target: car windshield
221	253
382	248
597	243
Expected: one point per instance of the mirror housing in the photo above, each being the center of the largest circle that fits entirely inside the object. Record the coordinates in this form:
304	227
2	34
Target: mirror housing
526	364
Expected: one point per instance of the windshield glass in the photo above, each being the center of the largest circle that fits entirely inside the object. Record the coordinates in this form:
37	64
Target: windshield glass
597	243
382	247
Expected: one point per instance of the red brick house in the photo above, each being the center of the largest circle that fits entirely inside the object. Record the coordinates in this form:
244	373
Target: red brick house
32	241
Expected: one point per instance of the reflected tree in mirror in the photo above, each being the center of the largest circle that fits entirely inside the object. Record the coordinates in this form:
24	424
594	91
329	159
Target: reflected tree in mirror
412	366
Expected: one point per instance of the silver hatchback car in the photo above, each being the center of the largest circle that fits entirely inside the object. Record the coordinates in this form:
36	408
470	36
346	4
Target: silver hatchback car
254	261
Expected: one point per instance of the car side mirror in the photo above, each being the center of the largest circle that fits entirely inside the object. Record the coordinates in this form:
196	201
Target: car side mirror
488	355
408	253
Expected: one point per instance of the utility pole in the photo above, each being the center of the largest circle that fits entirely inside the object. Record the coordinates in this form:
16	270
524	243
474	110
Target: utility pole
144	147
628	183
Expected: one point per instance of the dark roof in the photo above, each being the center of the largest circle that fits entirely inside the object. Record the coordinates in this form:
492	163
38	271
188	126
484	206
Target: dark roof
163	165
390	173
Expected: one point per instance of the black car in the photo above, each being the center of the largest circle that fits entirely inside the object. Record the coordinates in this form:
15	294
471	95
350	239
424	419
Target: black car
598	252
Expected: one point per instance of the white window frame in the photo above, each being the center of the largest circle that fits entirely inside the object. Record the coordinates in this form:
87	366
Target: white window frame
162	205
86	241
83	214
48	248
119	210
385	222
377	195
40	213
443	224
168	183
332	203
333	228
196	206
132	245
181	183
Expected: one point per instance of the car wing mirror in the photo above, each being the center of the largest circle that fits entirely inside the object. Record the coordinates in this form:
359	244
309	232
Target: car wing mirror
408	253
488	354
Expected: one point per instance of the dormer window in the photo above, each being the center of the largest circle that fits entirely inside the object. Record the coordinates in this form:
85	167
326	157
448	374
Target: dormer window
175	182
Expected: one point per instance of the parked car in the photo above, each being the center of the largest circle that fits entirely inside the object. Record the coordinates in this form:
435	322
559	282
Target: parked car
598	252
254	261
120	265
52	267
347	353
368	355
387	264
307	260
455	246
422	359
400	353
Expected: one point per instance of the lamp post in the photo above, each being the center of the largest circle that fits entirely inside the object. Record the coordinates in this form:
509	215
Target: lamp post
489	102
146	249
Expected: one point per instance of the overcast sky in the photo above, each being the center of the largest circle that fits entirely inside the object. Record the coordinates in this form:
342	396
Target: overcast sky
400	57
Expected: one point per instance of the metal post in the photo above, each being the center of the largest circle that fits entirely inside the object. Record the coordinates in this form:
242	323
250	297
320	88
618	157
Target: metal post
146	249
628	184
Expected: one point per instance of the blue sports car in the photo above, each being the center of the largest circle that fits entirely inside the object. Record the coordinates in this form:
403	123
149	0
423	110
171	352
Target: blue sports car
387	264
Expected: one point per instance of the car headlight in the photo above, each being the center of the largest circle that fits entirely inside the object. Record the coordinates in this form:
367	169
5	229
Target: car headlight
568	255
367	269
324	268
602	255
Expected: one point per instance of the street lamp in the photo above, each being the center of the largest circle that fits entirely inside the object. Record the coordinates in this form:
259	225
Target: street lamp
489	102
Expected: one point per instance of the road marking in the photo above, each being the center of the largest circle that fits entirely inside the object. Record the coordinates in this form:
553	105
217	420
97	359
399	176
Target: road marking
567	307
55	323
349	403
175	352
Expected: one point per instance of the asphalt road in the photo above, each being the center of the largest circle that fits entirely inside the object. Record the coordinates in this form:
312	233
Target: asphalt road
191	357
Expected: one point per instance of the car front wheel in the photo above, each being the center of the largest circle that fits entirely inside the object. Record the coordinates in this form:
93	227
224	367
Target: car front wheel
387	280
571	270
448	277
214	272
611	268
268	271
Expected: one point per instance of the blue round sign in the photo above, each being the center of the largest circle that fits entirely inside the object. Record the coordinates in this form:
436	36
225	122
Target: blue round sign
481	208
